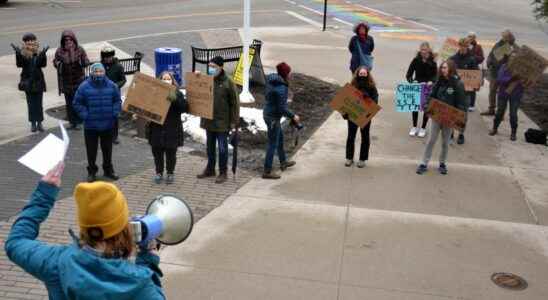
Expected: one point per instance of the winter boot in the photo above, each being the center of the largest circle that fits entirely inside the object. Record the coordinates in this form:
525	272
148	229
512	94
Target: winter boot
206	173
513	137
222	178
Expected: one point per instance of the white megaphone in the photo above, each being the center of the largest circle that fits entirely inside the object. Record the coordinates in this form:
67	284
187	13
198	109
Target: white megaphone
168	220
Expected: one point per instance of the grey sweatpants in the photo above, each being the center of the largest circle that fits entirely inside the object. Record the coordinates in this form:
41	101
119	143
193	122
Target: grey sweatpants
435	129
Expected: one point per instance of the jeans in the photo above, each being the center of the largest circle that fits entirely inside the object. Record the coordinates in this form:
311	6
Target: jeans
93	138
72	116
415	115
435	129
212	139
501	110
473	99
115	130
467	100
35	107
170	155
350	141
275	143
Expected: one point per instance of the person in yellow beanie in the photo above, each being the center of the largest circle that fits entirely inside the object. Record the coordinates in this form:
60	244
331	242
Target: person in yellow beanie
96	265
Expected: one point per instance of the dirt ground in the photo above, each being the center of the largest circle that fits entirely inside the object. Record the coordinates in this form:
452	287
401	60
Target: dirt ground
535	103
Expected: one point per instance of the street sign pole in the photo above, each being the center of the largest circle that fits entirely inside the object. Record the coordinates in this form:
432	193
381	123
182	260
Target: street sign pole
246	96
324	14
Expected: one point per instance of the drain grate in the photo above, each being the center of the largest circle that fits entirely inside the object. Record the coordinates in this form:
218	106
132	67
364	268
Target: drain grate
509	281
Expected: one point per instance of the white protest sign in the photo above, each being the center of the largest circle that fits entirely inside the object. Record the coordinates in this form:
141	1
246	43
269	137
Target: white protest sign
47	154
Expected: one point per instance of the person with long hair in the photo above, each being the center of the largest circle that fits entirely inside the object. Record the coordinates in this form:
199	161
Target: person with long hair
363	81
450	90
361	47
98	264
422	69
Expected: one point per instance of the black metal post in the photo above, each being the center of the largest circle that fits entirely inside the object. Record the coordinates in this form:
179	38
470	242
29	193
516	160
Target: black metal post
324	14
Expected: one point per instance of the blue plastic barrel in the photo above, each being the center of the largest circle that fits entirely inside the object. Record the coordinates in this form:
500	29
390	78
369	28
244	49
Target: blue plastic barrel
169	59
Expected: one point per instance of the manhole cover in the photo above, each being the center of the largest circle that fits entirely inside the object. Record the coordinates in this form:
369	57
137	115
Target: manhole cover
509	281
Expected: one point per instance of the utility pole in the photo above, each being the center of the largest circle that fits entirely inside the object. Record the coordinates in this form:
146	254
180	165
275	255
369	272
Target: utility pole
324	14
246	96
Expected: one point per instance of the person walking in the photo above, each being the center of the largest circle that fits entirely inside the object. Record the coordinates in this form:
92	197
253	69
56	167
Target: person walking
96	265
422	69
363	81
361	47
276	93
115	72
477	52
493	66
32	82
97	102
226	115
450	90
165	139
70	61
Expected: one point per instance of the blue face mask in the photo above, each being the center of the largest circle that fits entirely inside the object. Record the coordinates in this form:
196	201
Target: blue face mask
212	71
98	79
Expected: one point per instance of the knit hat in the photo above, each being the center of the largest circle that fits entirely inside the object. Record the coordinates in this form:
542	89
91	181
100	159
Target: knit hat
29	37
218	60
96	66
101	205
107	52
283	70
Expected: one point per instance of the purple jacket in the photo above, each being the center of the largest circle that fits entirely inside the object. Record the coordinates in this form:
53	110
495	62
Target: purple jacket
504	80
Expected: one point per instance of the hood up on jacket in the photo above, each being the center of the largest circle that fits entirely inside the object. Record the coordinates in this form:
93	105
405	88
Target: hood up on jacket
70	34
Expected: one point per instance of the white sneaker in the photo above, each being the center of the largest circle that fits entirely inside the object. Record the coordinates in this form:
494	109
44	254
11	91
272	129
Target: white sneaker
422	132
413	131
348	163
361	164
471	109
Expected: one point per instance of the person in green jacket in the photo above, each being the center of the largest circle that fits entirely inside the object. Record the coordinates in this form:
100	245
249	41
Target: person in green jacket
115	72
226	114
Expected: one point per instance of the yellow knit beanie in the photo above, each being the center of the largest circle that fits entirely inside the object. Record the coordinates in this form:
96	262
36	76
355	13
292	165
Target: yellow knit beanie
102	205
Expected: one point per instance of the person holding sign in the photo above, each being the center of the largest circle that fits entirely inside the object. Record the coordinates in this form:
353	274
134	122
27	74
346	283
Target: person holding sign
423	69
226	115
477	51
361	46
165	139
363	81
450	90
97	102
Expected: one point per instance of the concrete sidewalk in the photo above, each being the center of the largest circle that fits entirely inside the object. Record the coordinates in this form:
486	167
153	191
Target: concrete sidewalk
328	232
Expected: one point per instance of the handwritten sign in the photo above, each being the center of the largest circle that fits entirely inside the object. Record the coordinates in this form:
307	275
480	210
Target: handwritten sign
527	64
408	97
199	92
446	115
471	78
238	76
425	94
502	51
449	48
147	97
351	101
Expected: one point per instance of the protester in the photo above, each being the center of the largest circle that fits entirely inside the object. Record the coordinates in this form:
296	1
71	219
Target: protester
32	80
361	46
226	114
115	72
465	60
95	266
276	93
165	139
423	69
363	81
493	69
98	104
477	51
450	90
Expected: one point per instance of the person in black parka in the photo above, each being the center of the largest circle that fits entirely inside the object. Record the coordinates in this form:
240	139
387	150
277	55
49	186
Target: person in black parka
115	72
32	78
165	139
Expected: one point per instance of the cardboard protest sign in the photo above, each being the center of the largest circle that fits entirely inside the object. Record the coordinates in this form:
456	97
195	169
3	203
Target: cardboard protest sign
446	115
147	97
238	76
502	51
425	94
199	93
471	78
449	48
527	64
352	102
408	97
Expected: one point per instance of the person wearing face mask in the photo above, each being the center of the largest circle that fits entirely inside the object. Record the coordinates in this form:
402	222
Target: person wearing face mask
363	81
115	72
31	60
70	61
477	51
361	46
97	102
165	139
423	69
450	90
226	115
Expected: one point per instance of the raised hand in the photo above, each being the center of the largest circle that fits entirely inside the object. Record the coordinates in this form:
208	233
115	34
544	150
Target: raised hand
53	177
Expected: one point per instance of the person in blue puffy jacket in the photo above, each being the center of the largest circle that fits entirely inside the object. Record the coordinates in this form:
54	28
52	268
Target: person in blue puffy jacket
96	265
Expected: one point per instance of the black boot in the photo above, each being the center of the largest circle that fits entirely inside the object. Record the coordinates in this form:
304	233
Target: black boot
222	178
513	137
206	173
92	174
39	126
33	127
495	130
111	175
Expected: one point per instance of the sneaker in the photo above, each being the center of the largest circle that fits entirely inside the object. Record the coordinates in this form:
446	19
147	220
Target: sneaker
361	164
472	109
287	164
170	178
413	131
460	140
271	175
422	133
443	169
348	163
222	178
158	178
421	169
206	173
112	176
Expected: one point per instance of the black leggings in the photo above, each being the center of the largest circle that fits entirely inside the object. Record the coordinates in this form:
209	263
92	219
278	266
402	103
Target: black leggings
416	119
170	159
364	148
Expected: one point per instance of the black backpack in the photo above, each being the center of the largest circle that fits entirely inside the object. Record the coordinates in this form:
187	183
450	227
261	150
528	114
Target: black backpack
535	136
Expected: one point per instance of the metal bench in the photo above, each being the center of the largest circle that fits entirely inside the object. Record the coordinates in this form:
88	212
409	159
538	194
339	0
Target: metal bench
131	65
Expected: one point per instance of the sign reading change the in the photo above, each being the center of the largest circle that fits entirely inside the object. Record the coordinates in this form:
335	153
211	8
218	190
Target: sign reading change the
351	101
471	78
446	115
147	98
199	92
408	97
527	64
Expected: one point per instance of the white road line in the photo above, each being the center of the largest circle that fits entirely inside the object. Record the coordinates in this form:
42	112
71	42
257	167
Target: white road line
399	18
303	18
170	32
344	22
291	2
312	10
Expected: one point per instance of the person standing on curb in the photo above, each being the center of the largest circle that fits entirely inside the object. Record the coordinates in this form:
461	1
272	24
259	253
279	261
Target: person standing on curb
450	90
70	61
115	72
32	82
361	46
165	139
276	93
98	264
477	51
363	81
226	115
423	69
98	104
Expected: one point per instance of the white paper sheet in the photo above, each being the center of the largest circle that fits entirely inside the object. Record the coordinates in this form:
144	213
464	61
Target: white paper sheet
48	153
